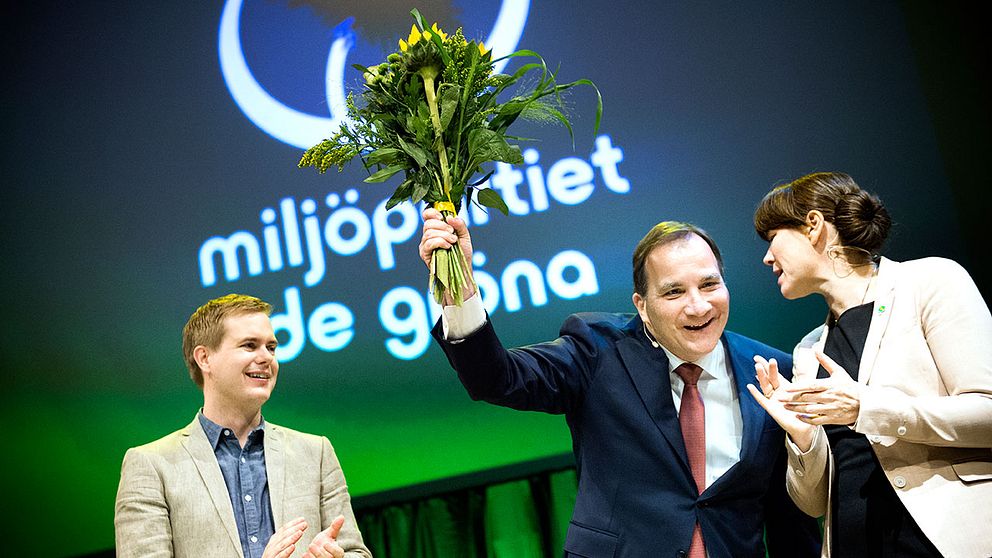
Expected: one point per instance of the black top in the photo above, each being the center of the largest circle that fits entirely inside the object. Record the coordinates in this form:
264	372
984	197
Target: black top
868	519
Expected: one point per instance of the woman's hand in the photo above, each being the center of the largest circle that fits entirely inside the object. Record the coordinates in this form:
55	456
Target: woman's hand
833	400
774	397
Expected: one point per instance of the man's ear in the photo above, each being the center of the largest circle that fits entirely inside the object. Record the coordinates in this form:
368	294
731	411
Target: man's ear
640	304
202	357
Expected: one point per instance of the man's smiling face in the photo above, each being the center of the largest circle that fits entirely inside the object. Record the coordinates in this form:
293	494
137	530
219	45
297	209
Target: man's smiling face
686	304
241	372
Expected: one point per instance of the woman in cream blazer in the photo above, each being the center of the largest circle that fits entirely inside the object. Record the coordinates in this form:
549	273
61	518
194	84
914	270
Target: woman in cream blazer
892	443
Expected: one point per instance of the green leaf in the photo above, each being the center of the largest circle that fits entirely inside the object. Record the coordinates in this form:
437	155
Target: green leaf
599	100
513	155
385	174
483	179
508	113
448	105
414	151
421	186
487	145
473	66
420	124
401	194
490	198
419	19
384	156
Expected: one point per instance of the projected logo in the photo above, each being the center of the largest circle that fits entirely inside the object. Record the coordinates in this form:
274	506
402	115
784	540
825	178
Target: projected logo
298	127
286	65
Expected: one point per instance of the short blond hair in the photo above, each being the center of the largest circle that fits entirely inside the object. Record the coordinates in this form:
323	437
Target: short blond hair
206	325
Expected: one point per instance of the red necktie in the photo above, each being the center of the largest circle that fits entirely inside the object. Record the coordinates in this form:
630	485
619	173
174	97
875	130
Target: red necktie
691	418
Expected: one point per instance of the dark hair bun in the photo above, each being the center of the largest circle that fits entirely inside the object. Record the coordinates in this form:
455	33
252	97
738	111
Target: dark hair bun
862	221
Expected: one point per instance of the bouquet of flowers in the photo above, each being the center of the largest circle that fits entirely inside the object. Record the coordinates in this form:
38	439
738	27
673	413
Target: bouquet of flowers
432	111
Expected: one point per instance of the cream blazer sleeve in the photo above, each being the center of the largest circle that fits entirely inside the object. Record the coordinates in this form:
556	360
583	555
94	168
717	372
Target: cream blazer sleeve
808	473
931	379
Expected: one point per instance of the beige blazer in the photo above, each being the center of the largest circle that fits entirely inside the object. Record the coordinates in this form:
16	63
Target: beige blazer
172	499
926	407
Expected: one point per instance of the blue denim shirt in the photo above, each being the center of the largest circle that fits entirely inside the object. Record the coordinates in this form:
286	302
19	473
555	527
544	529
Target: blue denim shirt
247	483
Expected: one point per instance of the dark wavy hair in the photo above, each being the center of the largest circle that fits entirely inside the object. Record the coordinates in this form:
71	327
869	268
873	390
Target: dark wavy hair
860	217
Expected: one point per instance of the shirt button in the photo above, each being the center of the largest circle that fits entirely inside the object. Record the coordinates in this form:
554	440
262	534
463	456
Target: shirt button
901	431
227	432
799	473
899	481
254	539
876	439
243	460
247	497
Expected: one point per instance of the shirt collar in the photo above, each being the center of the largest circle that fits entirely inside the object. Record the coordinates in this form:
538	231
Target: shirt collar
214	430
712	363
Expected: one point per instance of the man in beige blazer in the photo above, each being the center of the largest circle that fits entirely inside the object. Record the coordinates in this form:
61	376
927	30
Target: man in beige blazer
230	483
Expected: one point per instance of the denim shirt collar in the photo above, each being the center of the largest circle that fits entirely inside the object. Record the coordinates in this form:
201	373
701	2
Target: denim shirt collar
214	430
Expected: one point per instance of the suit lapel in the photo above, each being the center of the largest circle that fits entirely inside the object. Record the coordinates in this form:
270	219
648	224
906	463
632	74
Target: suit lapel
648	370
741	368
275	470
195	442
882	309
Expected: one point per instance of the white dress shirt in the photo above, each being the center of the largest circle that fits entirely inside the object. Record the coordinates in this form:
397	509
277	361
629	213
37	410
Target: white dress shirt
724	424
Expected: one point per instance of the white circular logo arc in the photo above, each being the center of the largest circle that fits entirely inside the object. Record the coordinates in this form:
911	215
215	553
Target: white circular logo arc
301	129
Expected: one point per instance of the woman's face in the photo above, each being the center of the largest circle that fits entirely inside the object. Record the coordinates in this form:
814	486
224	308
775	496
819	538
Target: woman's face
793	260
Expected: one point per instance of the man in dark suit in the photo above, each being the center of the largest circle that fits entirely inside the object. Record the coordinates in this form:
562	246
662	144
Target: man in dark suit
671	459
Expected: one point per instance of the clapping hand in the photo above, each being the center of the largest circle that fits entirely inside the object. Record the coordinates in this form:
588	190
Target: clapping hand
325	544
832	400
775	396
282	543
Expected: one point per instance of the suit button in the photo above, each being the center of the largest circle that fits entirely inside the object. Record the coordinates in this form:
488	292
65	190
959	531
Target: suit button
799	473
681	554
899	481
901	431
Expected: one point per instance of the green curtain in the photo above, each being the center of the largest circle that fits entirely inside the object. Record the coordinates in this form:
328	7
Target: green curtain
525	518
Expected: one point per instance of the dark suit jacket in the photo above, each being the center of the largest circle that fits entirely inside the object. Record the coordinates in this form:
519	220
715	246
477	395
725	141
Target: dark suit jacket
636	495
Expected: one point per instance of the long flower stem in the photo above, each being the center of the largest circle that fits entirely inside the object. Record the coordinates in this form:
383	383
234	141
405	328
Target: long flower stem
428	74
447	271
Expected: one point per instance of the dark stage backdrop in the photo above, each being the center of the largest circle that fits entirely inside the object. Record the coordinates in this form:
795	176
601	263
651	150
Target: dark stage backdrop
150	164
